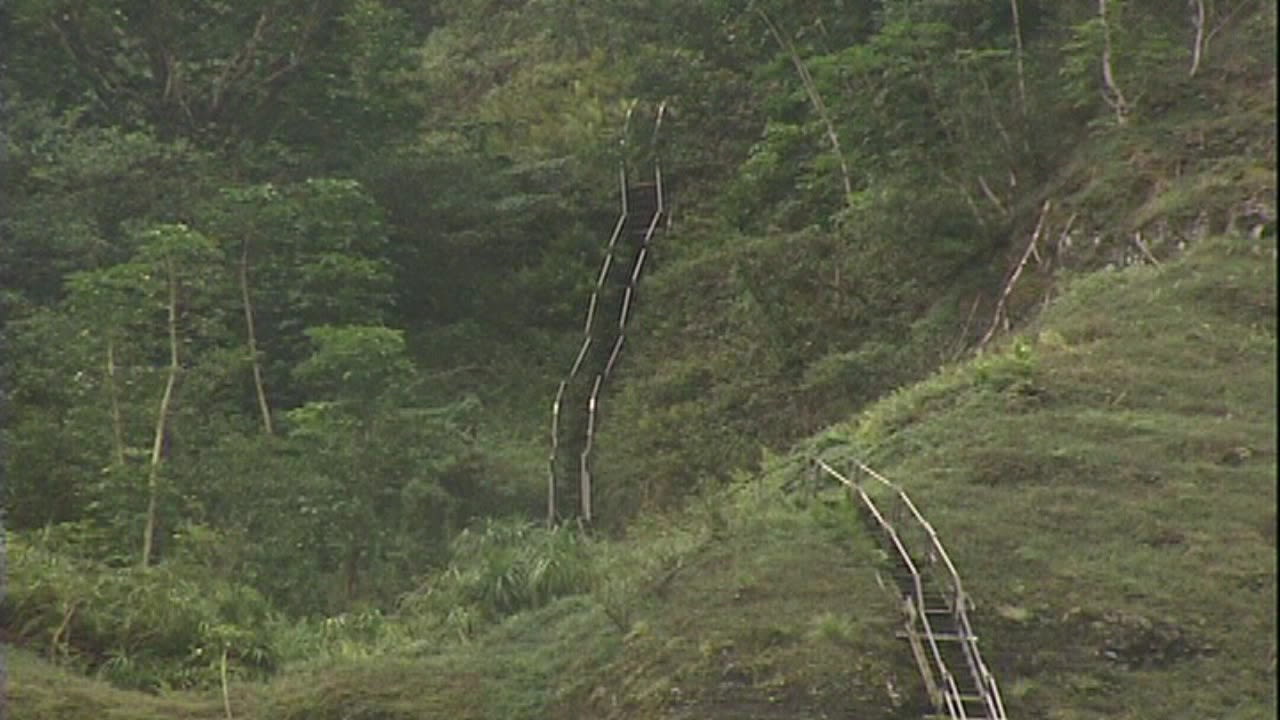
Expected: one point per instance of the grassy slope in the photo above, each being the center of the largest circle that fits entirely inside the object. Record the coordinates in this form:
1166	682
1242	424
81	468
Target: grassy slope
1111	498
1108	492
756	609
36	689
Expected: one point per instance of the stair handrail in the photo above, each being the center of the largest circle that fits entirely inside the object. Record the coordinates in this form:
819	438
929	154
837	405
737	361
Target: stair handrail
593	399
950	698
934	541
988	688
986	680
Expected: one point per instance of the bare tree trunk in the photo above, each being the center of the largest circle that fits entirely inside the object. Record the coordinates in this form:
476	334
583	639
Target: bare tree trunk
811	88
226	695
117	424
1001	312
1022	75
162	416
1115	97
1197	50
254	358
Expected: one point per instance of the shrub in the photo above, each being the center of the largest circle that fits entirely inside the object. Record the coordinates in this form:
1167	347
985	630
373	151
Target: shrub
503	567
145	628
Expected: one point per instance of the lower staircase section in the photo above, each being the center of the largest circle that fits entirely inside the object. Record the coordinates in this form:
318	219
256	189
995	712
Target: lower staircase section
935	609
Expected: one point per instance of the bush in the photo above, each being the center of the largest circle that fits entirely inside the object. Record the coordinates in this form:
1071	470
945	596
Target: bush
143	628
503	567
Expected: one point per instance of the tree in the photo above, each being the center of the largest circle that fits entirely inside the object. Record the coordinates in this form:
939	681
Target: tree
376	460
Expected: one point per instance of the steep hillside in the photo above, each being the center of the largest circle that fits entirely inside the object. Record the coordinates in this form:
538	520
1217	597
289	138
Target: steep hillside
756	328
1108	486
1105	482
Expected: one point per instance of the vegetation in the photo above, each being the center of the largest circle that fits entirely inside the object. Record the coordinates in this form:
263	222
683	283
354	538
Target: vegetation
287	289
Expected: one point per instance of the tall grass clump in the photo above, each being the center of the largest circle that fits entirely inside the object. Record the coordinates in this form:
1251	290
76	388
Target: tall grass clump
500	568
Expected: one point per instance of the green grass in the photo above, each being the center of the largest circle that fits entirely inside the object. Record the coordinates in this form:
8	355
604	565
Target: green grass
1114	510
750	604
775	613
35	690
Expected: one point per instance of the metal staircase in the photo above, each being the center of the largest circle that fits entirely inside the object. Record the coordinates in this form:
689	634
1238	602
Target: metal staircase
935	608
574	412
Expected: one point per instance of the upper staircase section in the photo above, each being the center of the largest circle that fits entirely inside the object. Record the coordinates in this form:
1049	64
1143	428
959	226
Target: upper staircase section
574	409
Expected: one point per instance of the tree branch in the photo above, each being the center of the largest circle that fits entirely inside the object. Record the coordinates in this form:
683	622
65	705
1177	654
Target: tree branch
162	416
238	66
1013	279
1197	48
1017	38
252	338
1116	98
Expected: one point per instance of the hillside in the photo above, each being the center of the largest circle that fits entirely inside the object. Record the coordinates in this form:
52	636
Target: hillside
288	290
1105	482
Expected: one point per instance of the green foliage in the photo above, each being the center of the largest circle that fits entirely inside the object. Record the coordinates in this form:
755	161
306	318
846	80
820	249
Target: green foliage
500	568
1146	60
355	365
139	628
1011	371
345	637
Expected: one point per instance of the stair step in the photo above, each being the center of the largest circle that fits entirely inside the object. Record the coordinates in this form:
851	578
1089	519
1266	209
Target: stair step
940	637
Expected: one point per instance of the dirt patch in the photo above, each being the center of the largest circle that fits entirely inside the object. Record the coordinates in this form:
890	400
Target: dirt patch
1134	641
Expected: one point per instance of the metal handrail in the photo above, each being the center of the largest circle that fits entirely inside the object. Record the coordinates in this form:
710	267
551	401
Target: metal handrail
587	340
915	512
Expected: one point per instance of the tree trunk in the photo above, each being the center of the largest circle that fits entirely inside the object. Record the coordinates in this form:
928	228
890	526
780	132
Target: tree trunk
1017	43
811	88
1197	50
226	694
162	416
352	572
1001	312
1115	97
259	388
117	425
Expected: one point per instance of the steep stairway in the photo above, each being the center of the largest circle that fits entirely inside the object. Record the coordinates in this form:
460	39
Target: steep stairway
934	606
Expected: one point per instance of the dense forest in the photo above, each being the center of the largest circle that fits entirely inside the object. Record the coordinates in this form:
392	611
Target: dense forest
287	286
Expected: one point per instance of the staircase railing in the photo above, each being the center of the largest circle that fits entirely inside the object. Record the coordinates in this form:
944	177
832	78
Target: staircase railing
933	667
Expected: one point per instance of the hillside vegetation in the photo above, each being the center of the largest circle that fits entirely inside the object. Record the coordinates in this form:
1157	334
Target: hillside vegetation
287	290
1112	513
